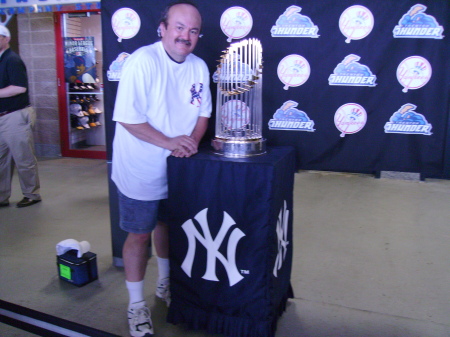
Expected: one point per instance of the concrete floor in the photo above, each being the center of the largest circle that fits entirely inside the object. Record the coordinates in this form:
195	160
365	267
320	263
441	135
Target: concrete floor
371	256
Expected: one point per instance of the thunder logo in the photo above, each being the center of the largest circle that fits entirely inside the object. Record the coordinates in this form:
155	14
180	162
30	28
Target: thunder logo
289	118
293	24
416	24
351	73
407	121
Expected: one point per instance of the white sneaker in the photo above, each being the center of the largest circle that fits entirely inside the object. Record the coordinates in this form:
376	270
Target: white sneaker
163	290
139	320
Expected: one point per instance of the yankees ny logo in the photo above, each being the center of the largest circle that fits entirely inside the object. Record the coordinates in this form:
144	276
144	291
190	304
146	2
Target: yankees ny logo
196	96
212	246
282	233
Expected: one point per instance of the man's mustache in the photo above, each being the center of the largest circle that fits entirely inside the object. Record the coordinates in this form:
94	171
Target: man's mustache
186	42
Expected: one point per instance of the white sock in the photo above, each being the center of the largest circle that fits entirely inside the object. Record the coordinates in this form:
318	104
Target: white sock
136	291
163	268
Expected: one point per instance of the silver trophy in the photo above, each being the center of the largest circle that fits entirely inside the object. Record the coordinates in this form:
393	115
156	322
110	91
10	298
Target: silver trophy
239	101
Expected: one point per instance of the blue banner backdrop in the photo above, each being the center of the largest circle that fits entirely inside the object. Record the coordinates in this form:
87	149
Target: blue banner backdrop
353	98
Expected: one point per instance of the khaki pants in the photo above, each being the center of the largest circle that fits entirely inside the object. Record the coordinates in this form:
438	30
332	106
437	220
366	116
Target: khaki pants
17	150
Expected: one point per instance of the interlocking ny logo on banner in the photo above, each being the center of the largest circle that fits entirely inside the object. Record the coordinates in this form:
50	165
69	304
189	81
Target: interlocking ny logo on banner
212	247
282	234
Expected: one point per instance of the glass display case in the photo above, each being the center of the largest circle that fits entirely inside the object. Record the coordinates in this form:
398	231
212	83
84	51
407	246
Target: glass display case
80	84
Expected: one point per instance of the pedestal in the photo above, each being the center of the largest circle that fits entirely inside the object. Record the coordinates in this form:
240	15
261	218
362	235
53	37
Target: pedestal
231	241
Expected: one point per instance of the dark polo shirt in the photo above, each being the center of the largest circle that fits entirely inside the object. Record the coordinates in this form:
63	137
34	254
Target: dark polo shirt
13	72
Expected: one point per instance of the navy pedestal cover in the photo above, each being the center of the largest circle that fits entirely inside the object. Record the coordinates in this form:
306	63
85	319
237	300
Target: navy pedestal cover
231	241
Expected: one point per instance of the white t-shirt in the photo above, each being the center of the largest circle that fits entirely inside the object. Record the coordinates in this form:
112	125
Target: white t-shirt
170	97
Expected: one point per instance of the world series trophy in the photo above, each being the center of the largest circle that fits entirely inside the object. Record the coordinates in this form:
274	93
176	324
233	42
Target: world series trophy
238	131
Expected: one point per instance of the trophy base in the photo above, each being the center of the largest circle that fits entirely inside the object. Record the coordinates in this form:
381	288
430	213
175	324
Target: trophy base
239	148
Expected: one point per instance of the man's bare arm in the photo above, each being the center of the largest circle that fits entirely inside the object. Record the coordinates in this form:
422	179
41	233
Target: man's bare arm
144	131
196	135
200	129
12	90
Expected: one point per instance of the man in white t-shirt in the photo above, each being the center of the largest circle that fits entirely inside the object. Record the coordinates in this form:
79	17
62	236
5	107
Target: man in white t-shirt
162	108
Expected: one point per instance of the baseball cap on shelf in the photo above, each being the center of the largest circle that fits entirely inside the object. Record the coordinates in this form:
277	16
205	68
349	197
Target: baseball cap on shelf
4	31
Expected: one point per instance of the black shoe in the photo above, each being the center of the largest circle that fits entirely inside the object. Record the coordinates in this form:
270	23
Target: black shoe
27	202
4	204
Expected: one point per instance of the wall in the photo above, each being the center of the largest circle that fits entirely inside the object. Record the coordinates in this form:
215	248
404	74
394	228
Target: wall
37	49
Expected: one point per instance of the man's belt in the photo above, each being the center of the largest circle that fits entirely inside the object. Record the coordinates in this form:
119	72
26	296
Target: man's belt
8	112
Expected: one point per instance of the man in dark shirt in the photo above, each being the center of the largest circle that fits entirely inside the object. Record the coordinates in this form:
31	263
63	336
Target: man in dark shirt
17	119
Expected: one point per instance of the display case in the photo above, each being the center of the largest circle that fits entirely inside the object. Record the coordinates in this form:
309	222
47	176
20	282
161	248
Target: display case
80	84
